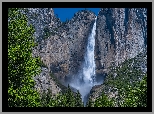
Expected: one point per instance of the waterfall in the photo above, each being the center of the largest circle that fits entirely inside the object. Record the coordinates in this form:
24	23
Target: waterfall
89	63
86	77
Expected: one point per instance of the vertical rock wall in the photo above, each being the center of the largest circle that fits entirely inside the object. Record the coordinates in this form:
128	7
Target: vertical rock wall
61	46
121	34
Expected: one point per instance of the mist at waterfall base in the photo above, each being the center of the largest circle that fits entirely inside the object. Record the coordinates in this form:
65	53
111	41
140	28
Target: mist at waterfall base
85	79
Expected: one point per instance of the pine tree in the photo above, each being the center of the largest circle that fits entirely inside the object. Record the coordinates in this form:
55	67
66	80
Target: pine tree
137	96
78	100
70	98
89	103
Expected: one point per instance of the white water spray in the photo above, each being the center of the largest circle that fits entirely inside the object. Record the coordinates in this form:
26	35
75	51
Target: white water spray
86	77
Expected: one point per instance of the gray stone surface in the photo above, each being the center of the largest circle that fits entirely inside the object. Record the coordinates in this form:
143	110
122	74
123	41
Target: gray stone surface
121	33
63	50
44	82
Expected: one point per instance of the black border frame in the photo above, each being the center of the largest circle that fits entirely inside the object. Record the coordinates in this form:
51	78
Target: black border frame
6	5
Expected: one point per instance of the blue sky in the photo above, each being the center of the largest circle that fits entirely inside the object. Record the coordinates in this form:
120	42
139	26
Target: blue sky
64	13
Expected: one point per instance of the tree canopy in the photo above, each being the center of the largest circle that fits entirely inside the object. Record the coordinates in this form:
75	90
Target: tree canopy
21	65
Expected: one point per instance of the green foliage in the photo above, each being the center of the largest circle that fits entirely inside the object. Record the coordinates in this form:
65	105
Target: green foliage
21	65
47	99
90	103
67	99
132	92
137	96
104	101
78	100
70	98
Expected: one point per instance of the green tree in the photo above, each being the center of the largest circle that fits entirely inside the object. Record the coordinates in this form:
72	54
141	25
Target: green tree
78	100
89	103
103	101
70	98
126	82
137	96
47	99
21	65
67	99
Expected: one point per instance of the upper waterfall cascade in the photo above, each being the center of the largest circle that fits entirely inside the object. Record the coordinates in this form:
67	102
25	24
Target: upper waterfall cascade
89	63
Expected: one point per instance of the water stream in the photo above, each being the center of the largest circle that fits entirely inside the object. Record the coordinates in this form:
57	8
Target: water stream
86	76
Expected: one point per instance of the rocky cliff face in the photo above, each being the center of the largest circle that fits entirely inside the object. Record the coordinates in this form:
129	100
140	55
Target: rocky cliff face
43	20
121	34
45	82
79	28
61	46
64	51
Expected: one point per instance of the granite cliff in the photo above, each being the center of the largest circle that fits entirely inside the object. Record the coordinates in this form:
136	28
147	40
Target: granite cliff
61	46
121	34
